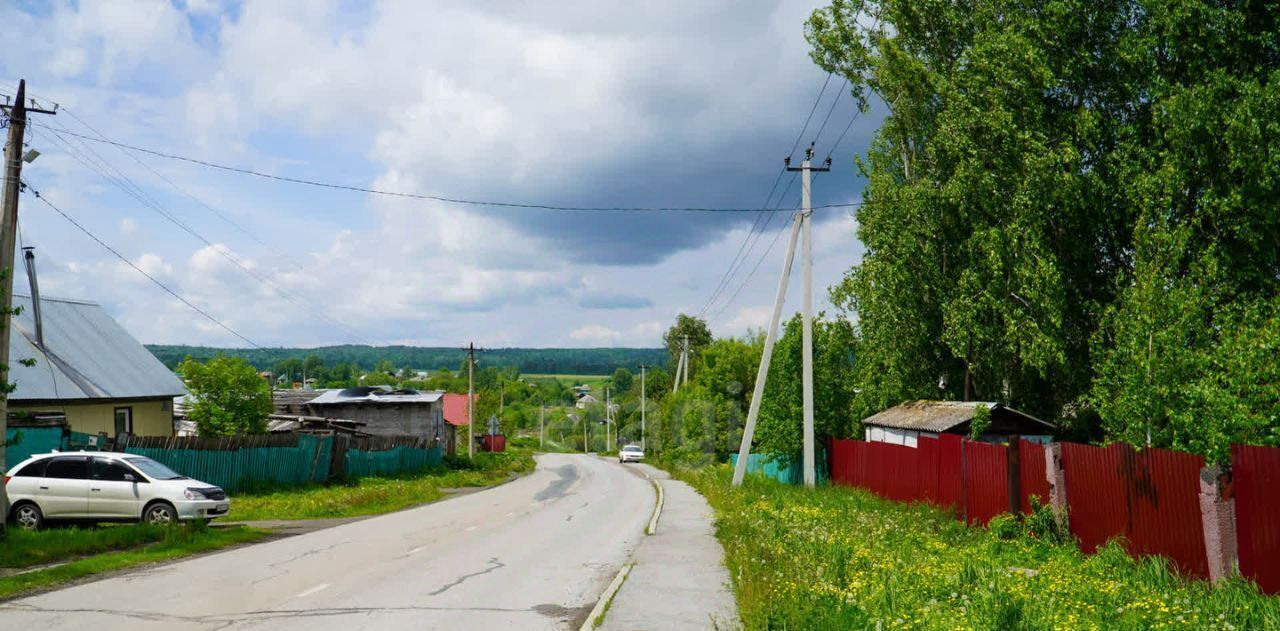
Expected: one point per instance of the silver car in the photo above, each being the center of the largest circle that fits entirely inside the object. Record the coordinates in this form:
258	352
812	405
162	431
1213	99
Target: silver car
105	486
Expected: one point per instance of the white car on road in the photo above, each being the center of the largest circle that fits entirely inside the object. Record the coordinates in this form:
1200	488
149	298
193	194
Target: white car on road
105	486
631	453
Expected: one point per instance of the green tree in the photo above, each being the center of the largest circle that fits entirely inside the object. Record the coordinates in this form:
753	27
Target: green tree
229	398
622	379
779	430
699	335
1070	207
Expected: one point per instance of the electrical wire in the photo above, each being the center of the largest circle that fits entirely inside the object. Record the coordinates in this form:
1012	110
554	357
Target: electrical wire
420	196
183	191
132	189
149	277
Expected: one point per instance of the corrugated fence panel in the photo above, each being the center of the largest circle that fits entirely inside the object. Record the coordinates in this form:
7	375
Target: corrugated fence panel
986	481
1032	474
30	441
234	463
1256	480
950	469
1150	498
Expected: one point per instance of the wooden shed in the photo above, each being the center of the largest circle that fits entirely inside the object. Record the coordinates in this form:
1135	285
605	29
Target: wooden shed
906	422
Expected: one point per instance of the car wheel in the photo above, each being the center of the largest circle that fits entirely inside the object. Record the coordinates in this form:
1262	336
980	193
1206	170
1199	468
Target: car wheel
28	516
160	514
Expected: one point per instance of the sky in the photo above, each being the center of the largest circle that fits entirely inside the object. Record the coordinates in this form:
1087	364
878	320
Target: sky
654	104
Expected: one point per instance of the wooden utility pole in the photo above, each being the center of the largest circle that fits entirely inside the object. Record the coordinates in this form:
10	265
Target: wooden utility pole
17	122
801	221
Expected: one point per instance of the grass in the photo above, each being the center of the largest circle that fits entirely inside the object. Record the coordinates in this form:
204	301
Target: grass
145	543
374	496
840	558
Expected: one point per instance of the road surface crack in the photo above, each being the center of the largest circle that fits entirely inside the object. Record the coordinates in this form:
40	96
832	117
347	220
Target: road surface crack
297	557
494	564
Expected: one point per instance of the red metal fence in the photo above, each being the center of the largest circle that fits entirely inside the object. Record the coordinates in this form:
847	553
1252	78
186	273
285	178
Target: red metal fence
1033	474
1256	474
1150	498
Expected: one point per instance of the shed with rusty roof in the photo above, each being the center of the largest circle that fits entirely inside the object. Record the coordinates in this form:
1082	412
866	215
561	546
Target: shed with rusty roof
906	422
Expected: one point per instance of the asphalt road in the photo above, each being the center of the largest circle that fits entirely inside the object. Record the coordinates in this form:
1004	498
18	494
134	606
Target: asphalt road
532	554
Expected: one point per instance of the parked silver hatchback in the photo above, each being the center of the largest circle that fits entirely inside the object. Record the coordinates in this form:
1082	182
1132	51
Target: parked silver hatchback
105	486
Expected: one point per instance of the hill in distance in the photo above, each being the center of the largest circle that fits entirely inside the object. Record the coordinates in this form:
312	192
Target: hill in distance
575	361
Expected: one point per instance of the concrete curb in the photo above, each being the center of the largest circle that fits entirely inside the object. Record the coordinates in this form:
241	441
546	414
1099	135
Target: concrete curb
657	508
597	613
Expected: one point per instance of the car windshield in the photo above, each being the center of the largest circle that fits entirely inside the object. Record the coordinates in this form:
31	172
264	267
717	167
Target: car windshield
154	469
631	448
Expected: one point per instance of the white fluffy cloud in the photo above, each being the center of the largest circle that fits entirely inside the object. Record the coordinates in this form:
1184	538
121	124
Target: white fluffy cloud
580	104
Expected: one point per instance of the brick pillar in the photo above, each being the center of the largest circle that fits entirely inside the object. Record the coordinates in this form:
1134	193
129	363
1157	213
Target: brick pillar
1218	514
1057	478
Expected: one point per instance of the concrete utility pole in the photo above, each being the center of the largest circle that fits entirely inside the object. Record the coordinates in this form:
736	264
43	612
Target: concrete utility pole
471	398
685	346
608	418
642	435
13	158
542	425
801	220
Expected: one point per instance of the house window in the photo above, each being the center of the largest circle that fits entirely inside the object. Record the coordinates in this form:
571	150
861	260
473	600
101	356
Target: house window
124	421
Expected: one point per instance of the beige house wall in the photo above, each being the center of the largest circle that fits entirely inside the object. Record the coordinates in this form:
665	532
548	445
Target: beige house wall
151	417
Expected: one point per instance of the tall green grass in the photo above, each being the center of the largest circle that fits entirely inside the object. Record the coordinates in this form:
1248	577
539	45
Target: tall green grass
24	548
840	558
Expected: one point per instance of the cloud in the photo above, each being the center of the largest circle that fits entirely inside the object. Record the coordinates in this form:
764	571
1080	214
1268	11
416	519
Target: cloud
595	334
689	104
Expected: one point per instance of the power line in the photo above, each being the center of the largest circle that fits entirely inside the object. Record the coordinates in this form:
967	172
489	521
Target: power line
739	257
438	198
831	109
180	189
138	269
753	271
813	109
132	189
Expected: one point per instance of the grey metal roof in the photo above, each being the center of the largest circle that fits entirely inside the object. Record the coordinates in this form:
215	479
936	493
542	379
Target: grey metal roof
939	416
86	355
374	396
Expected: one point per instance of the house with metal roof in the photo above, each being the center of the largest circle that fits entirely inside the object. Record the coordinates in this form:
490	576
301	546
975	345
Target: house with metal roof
903	424
88	368
385	412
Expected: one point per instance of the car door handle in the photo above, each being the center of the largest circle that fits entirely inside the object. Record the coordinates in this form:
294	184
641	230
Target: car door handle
44	488
95	489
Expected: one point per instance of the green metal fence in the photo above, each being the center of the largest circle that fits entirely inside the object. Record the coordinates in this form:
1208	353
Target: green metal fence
781	469
233	463
25	442
393	461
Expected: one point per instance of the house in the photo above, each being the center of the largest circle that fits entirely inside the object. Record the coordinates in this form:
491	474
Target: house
384	412
904	423
456	417
585	400
87	368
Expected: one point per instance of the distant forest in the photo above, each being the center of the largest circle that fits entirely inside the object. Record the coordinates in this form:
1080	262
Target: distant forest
572	361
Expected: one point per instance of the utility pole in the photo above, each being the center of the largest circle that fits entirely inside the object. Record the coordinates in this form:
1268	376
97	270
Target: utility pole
608	419
799	225
471	397
685	346
807	322
542	425
17	122
675	380
642	435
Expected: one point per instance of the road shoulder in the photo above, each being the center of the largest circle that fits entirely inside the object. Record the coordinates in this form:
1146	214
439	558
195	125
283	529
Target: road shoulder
678	580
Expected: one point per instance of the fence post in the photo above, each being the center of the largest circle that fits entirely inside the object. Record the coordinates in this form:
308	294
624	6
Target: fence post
1014	475
1218	514
1057	478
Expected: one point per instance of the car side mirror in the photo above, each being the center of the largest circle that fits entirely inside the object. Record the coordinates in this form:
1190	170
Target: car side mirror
128	477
